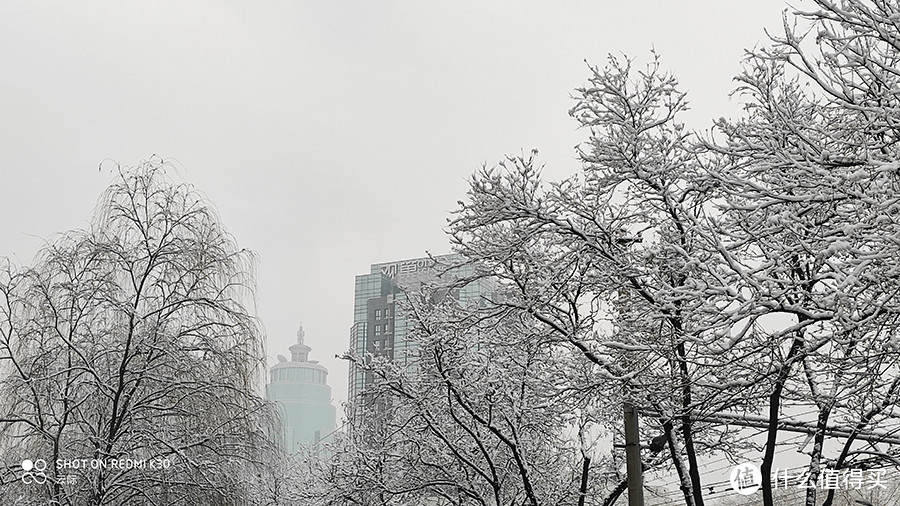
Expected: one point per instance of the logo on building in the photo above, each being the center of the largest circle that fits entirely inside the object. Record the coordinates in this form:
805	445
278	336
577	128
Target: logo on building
407	267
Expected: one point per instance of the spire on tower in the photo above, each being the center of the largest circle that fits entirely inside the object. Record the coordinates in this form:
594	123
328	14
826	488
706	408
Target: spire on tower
300	351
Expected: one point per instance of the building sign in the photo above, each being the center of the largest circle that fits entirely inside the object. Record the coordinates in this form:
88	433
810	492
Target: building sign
392	270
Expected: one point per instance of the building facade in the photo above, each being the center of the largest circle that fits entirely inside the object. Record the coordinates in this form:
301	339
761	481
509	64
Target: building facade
300	388
380	322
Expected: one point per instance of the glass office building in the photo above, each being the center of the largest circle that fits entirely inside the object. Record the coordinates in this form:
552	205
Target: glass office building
300	387
379	318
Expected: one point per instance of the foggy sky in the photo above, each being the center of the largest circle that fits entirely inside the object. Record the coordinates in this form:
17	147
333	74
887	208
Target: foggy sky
329	135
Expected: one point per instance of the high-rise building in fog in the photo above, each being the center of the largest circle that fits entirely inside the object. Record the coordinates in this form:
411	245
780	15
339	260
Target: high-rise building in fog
379	319
300	387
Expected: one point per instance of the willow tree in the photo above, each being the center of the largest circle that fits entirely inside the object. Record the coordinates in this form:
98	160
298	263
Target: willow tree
134	342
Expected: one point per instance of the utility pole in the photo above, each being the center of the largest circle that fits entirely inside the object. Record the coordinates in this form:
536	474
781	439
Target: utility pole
633	457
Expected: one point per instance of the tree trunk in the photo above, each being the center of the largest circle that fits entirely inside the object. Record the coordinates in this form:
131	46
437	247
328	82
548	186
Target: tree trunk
582	492
684	480
616	493
815	457
687	426
774	409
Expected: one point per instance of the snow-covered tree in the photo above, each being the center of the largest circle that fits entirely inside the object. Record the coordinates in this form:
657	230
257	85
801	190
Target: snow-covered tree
811	188
487	415
744	277
751	273
617	262
134	340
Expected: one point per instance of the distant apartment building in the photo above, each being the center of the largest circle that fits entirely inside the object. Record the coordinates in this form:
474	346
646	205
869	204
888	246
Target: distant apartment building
300	388
380	321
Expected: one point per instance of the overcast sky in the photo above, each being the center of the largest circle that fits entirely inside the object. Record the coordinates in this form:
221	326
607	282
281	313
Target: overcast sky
330	135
